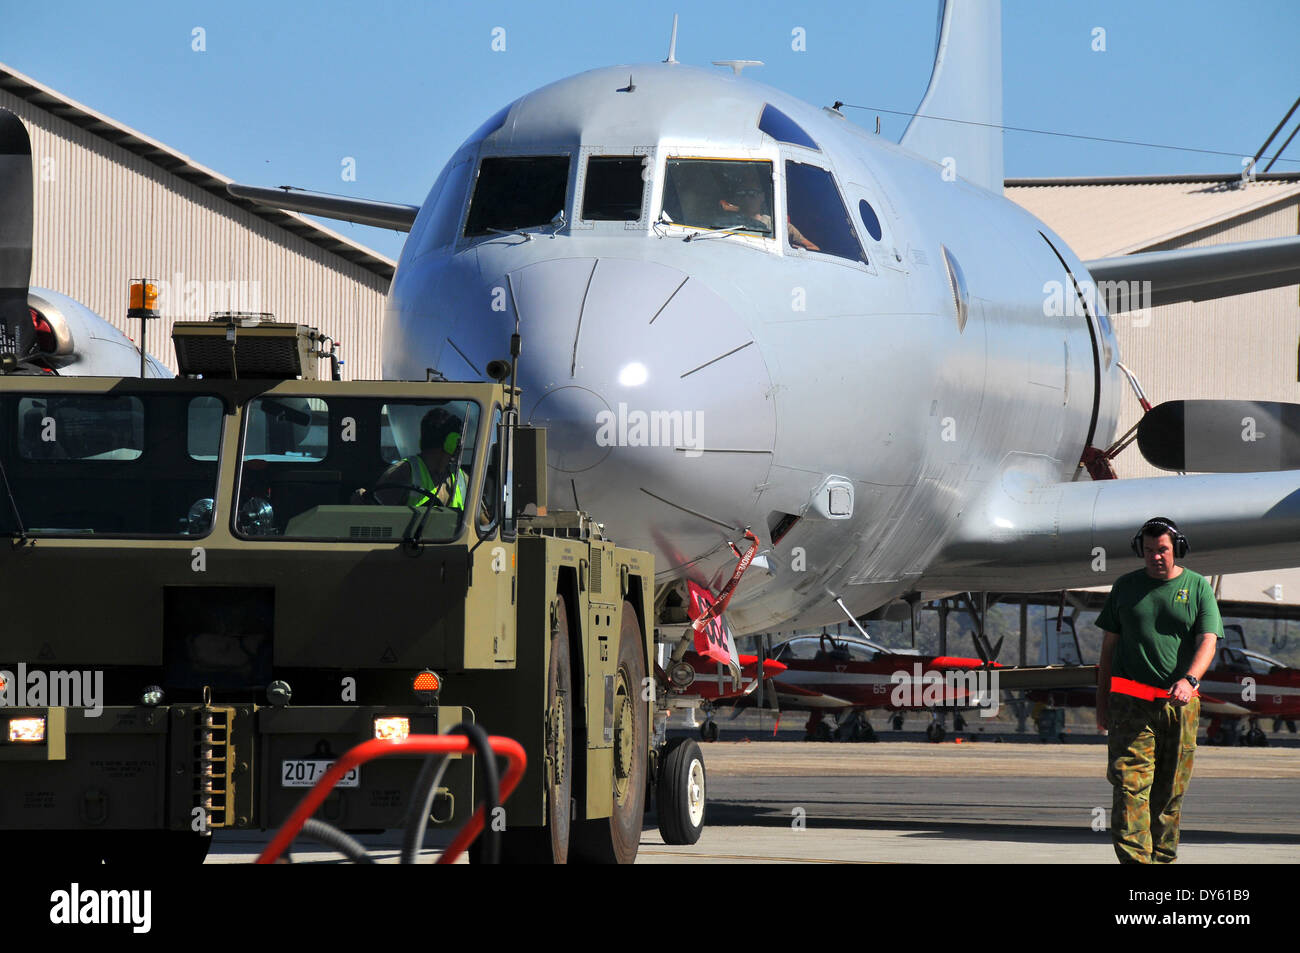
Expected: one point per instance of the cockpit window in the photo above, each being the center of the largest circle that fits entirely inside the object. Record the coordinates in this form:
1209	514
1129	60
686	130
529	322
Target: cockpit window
784	129
613	189
517	192
818	220
719	193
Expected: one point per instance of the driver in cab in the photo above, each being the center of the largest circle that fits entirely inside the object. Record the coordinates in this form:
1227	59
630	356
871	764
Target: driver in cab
430	476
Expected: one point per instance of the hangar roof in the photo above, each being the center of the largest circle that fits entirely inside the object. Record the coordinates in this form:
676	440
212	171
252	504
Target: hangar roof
186	168
1104	217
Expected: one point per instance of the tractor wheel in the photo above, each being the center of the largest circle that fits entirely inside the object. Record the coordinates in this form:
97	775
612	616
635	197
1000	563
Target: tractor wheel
549	844
615	839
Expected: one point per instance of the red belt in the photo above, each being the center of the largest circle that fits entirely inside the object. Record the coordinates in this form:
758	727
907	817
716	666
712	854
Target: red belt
1126	686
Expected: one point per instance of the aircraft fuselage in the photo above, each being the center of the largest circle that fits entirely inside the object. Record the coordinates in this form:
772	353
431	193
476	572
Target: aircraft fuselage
697	387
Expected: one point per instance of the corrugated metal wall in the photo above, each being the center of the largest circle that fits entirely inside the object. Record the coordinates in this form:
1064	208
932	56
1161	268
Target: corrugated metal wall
104	215
1244	347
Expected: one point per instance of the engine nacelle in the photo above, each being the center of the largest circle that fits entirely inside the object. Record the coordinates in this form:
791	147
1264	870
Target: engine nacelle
75	340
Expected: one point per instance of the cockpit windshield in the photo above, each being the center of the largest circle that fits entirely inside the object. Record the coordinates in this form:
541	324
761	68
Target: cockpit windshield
719	193
515	192
355	469
819	221
117	464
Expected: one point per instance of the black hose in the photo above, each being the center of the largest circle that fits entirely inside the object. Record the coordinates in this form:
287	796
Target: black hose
426	787
487	766
333	837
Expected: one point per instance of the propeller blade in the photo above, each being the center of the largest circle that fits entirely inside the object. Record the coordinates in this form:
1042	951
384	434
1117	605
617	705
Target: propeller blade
17	334
1221	436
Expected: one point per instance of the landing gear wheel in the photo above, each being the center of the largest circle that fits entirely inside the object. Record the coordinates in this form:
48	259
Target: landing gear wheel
864	731
709	732
821	732
934	732
897	721
1256	738
680	795
550	844
615	839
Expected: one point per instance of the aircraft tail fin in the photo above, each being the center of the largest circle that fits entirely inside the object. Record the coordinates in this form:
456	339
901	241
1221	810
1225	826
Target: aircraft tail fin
960	117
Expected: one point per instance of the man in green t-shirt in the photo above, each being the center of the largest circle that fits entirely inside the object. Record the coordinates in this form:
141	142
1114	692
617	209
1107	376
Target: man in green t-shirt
1160	626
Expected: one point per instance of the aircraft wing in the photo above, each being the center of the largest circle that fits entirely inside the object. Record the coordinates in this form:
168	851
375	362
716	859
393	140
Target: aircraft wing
1196	274
342	207
792	696
1030	535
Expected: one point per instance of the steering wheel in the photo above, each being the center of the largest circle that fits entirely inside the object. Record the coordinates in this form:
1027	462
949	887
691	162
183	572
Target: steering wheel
370	497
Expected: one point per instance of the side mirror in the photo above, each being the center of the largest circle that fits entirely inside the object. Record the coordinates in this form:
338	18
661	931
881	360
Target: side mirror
530	469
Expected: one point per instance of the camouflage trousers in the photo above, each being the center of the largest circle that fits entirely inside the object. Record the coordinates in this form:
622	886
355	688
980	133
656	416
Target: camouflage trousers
1151	746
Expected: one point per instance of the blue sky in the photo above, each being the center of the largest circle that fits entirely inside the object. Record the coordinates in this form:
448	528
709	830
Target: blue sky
284	92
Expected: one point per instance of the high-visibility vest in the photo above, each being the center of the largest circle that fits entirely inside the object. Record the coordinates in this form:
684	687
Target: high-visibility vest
424	479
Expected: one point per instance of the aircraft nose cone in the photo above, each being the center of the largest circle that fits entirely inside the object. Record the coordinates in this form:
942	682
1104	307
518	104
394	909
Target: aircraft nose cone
655	396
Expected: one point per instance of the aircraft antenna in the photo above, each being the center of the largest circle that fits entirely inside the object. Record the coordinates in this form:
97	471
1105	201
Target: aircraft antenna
672	43
737	65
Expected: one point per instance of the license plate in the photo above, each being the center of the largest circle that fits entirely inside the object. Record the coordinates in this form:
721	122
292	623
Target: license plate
303	774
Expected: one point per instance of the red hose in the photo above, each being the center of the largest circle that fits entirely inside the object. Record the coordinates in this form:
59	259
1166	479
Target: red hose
415	744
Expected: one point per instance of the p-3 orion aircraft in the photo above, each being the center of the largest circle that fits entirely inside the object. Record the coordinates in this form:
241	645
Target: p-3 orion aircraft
740	311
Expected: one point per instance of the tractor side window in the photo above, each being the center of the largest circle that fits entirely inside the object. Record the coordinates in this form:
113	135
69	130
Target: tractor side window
489	505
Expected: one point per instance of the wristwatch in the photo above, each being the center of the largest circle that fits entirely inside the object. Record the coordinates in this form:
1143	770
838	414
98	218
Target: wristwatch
1193	681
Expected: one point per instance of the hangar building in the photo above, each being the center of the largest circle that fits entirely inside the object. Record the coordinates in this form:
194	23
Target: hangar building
1244	347
112	204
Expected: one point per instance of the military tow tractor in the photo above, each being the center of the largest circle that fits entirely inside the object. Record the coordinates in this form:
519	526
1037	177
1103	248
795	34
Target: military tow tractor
216	585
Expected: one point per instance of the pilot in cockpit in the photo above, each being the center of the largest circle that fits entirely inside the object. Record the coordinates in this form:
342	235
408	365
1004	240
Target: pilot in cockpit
748	202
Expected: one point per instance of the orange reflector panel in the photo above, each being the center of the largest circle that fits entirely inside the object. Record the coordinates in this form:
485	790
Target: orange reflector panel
427	682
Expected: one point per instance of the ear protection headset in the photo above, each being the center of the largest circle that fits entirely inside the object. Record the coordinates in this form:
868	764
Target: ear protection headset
1164	525
440	429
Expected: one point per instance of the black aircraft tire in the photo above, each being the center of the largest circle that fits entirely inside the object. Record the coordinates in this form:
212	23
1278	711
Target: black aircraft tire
709	731
681	797
615	839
